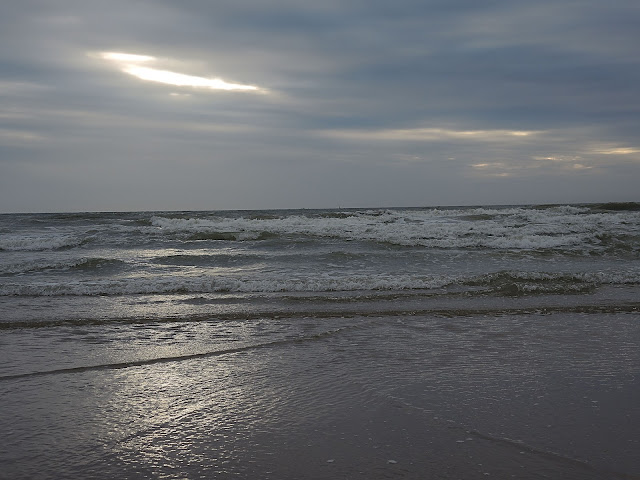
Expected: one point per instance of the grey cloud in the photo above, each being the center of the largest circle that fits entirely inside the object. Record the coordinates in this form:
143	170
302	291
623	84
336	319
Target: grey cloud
568	69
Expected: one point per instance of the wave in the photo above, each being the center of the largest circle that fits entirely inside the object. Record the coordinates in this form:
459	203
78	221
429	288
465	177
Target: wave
38	243
173	285
524	283
582	230
574	230
373	309
503	283
96	265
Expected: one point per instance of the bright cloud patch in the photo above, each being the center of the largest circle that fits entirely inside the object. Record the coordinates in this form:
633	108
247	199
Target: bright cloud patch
433	134
182	80
126	57
130	63
494	169
620	151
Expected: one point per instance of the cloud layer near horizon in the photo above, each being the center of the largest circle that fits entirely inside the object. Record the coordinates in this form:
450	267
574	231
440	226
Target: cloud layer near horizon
207	105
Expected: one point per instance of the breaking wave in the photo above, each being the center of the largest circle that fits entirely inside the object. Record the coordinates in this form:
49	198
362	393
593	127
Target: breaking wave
82	265
503	283
38	243
574	230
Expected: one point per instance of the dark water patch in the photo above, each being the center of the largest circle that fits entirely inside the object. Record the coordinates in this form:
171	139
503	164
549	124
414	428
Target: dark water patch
613	244
214	260
98	265
80	243
225	236
477	217
143	222
358	297
543	207
226	300
337	214
264	216
85	218
72	217
617	207
265	235
377	308
342	255
520	284
183	215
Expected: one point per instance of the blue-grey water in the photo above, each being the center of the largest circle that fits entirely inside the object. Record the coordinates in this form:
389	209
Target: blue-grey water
374	343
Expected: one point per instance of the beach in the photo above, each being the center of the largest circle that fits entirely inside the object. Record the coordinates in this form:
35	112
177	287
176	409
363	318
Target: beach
411	343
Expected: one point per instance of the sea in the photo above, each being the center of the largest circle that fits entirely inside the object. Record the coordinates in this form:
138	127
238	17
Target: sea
374	343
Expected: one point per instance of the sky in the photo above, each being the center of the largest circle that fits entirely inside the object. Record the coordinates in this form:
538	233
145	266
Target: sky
245	104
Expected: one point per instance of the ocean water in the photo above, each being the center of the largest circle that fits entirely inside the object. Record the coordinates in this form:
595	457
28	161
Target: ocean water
355	343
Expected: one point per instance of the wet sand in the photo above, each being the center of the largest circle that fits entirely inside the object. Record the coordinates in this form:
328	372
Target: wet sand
524	396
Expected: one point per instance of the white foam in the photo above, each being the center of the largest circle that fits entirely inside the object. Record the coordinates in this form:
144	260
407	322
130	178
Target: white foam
40	242
268	283
171	284
515	228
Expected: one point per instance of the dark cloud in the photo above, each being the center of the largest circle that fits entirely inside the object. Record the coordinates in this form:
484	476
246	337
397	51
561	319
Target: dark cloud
369	103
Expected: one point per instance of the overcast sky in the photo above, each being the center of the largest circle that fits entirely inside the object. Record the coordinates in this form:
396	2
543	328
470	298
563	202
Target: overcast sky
231	104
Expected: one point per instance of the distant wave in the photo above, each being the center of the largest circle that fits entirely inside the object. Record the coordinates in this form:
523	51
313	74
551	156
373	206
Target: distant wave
570	229
618	206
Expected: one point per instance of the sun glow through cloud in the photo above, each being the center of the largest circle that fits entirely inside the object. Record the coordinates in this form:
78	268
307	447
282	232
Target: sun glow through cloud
129	63
182	80
494	169
619	151
433	134
126	57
